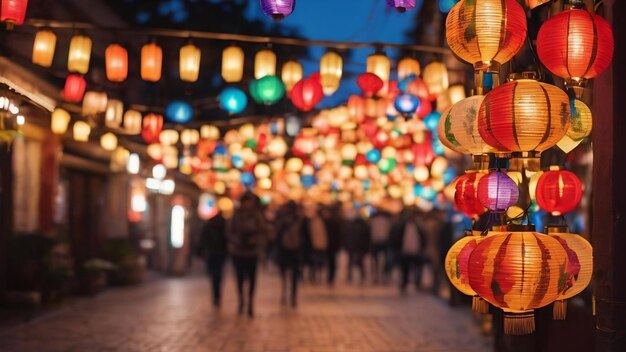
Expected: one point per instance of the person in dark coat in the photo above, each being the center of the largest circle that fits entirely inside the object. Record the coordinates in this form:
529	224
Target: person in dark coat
357	243
290	242
409	242
332	220
214	249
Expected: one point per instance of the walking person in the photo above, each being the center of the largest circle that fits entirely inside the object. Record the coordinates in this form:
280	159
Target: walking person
319	242
357	243
332	222
247	234
410	244
380	228
214	250
290	246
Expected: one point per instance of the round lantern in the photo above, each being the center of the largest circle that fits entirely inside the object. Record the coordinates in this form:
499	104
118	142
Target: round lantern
43	48
370	84
534	3
74	89
210	132
558	191
406	104
307	93
232	64
233	100
579	267
116	63
81	131
497	191
292	125
401	5
59	121
436	78
486	33
132	122
264	64
575	45
189	137
151	62
581	121
114	113
408	66
267	90
431	121
189	63
151	128
108	141
291	74
466	196
331	69
168	137
518	272
79	54
178	111
277	9
524	116
379	65
94	103
13	12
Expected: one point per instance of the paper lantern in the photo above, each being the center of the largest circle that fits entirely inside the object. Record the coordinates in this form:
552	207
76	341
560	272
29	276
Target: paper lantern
81	131
151	62
558	191
458	127
575	45
457	268
189	137
370	84
79	54
168	137
579	268
43	48
233	100
59	121
408	66
189	63
401	5
436	78
497	191
132	122
277	9
74	89
406	104
418	88
291	74
446	5
114	113
267	90
116	63
307	93
179	111
331	70
108	141
94	103
13	12
264	64
379	65
581	121
151	128
524	116
466	196
534	3
486	33
232	64
518	272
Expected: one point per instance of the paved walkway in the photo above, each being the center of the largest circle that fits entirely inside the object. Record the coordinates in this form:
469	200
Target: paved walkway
176	315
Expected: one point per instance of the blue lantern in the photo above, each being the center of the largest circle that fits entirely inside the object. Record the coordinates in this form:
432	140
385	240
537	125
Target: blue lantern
406	104
446	5
429	193
403	84
179	111
292	125
220	149
418	190
247	179
233	100
448	175
373	156
432	120
307	181
237	161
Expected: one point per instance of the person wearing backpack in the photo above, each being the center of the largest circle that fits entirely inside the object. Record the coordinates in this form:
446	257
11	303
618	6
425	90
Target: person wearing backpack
290	243
247	234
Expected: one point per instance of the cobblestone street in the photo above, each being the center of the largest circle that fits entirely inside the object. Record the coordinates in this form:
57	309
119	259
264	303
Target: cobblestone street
176	315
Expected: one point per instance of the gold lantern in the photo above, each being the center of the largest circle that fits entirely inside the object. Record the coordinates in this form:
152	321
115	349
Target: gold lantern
189	63
436	78
331	70
132	122
151	62
59	121
43	48
94	103
581	121
81	131
264	64
408	66
262	170
108	141
114	113
458	127
291	74
79	54
168	137
189	137
232	64
379	65
210	132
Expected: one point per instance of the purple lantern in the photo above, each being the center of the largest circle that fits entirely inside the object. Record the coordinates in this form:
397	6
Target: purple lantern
497	191
278	9
401	5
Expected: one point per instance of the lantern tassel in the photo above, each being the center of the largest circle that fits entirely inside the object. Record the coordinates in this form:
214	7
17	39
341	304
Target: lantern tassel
479	305
519	324
559	310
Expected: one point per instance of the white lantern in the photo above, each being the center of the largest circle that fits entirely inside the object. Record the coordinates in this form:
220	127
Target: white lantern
114	113
81	131
94	103
108	141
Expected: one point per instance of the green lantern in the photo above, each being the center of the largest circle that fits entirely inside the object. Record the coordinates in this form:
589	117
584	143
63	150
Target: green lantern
267	90
386	165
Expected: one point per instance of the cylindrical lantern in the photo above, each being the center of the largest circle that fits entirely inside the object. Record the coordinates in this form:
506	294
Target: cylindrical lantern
232	64
486	33
168	137
210	132
43	48
79	54
497	191
518	272
575	45
558	191
81	131
116	59
114	113
277	9
408	66
233	100
379	65
291	74
466	196
108	141
264	64
436	78
151	128
307	93
370	83
401	5
94	103
189	63
331	70
189	137
59	121
132	122
151	62
13	12
74	89
267	90
458	127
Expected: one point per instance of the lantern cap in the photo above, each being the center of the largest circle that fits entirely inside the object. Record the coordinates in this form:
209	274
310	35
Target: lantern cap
531	75
487	66
574	5
480	161
553	229
530	161
576	85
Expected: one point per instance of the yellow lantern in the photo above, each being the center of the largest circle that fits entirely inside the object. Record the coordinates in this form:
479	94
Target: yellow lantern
262	170
291	74
436	78
81	131
114	113
59	121
108	141
264	64
168	137
247	131
232	64
189	137
294	165
379	65
94	103
43	48
189	63
151	62
421	173
348	152
210	132
408	66
331	70
458	127
580	122
155	151
79	54
277	148
438	166
119	159
132	122
264	183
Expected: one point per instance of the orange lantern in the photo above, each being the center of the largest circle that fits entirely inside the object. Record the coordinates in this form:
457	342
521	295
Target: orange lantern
408	66
457	268
43	48
151	62
116	58
152	126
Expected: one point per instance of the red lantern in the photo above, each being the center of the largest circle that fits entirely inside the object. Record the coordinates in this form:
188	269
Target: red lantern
425	108
307	93
116	58
356	108
13	12
75	86
559	191
152	126
423	148
418	88
466	195
370	84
